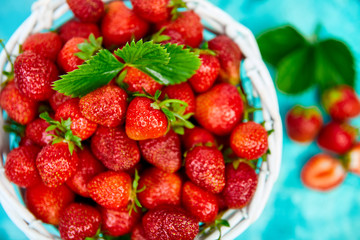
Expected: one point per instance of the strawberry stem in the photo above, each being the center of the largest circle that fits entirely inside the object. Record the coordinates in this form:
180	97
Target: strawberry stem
134	201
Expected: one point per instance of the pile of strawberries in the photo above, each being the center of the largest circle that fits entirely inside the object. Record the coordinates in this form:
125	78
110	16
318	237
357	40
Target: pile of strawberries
325	171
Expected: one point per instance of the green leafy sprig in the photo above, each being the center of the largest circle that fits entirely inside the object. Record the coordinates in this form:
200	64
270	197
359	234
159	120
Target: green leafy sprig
89	47
216	225
134	201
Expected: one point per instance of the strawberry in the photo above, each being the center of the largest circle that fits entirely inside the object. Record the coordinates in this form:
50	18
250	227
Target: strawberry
206	75
169	223
47	203
34	75
114	149
136	81
89	11
88	168
220	109
18	107
165	36
182	92
337	137
138	233
240	185
221	202
120	25
163	152
57	99
322	173
188	24
20	167
79	221
199	203
352	158
74	28
249	140
303	124
118	222
110	189
206	168
160	188
341	102
229	55
48	45
152	10
36	131
25	141
197	136
56	164
105	106
66	60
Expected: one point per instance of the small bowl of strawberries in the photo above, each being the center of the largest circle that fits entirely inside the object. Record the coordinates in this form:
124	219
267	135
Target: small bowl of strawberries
144	119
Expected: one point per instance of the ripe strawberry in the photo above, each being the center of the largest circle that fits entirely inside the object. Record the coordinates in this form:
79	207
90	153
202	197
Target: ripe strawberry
34	75
79	221
206	168
229	55
66	60
182	92
110	189
152	10
87	10
337	137
197	136
25	141
175	37
240	185
35	131
105	106
57	99
221	202
170	223
114	149
18	107
352	158
199	203
56	164
138	233
206	75
46	203
341	102
137	81
160	188
48	45
249	140
220	109
118	222
163	152
188	24
120	25
323	173
303	124
88	168
20	167
74	28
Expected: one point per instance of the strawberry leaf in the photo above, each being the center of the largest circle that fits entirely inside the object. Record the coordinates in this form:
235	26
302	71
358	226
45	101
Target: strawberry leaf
89	47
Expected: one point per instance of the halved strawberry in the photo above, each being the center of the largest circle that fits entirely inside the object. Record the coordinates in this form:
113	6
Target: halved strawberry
352	158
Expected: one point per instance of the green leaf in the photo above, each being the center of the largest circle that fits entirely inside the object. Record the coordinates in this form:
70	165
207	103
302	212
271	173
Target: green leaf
277	43
89	47
50	128
170	115
94	73
222	222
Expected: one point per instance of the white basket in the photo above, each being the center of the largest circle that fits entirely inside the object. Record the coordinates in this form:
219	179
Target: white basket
45	12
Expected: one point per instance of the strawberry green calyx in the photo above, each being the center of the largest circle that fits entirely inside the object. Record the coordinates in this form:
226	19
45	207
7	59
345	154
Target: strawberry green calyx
158	37
89	47
8	74
307	112
134	201
175	5
13	127
247	108
216	225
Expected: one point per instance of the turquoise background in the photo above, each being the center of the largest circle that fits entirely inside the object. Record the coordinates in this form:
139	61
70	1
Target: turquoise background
293	212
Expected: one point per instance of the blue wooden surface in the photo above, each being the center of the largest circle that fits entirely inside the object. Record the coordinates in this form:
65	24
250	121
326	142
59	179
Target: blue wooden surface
293	212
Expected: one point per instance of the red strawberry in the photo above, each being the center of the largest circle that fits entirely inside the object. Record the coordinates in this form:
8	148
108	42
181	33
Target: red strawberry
152	10
221	202
18	107
170	223
56	164
118	222
303	124
353	159
20	167
182	92
137	81
110	189
36	132
47	203
143	121
341	102
114	149
74	28
79	221
197	136
138	233
199	203
34	75
206	168
105	106
337	137
88	168
175	37
240	185
220	109
206	75
47	44
120	25
87	10
57	99
323	173
160	188
66	58
163	152
188	24
249	140
25	141
229	55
